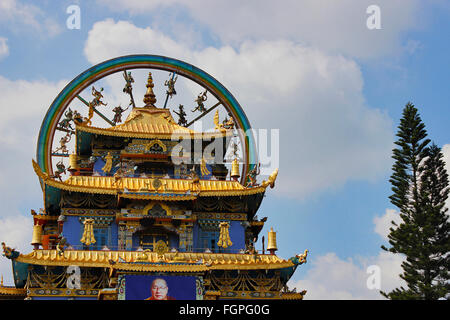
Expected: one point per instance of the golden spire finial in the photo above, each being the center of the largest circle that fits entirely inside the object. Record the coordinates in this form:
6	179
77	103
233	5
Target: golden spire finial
149	97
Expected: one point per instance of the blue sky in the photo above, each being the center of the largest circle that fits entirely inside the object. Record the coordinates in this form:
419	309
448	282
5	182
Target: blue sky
334	89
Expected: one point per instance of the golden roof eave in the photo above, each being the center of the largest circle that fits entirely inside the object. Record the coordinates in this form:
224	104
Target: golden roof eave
139	188
12	291
292	296
132	260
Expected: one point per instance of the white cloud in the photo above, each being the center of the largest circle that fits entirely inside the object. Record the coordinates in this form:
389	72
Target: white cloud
4	49
334	26
332	278
19	16
134	40
24	104
383	223
328	134
16	232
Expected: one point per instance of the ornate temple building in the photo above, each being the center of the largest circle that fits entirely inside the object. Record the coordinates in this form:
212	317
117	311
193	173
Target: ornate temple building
129	213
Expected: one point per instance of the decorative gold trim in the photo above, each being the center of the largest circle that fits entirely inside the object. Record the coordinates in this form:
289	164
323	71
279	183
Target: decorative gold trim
64	292
212	295
175	134
157	197
152	204
45	217
88	212
114	186
88	237
107	294
210	261
160	268
271	180
11	291
292	296
158	142
220	216
224	237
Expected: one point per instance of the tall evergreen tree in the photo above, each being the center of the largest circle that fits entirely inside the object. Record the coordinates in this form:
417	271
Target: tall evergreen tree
420	188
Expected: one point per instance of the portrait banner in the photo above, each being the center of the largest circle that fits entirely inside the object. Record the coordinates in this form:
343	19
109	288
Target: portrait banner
145	287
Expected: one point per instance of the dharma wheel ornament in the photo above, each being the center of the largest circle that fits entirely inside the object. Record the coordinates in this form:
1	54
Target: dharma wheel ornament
161	248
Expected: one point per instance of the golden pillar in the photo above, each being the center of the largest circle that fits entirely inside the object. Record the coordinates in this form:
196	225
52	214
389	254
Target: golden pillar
36	239
73	161
272	241
235	170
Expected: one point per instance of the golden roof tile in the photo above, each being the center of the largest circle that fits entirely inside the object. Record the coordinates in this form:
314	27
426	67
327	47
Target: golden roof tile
149	123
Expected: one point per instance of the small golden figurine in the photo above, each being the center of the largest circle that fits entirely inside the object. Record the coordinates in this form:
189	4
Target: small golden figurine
108	165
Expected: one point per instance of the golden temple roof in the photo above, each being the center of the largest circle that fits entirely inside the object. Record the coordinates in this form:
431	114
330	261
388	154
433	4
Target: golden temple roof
152	261
147	188
149	123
